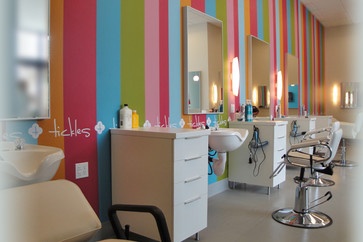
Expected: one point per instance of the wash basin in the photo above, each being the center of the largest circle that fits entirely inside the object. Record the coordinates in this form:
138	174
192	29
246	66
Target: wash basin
31	164
225	139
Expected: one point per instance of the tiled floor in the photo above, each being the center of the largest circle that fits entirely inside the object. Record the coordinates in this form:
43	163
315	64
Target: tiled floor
244	214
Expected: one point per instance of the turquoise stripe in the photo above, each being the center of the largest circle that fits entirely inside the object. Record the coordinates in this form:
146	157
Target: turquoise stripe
108	92
175	81
260	22
20	129
210	8
242	50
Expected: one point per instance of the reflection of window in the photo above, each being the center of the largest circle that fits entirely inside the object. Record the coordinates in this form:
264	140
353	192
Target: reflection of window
350	95
32	69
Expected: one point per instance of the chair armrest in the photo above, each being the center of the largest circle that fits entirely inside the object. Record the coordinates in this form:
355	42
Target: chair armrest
155	211
305	144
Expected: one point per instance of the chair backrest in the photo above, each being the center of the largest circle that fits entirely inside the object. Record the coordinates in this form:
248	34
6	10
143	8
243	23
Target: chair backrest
358	123
47	211
334	142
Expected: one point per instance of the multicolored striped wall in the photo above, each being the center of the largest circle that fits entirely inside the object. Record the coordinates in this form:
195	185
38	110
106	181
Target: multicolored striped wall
105	53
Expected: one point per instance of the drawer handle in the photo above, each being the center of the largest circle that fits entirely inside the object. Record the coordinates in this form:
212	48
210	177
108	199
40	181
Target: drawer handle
281	149
192	200
192	179
193	158
281	137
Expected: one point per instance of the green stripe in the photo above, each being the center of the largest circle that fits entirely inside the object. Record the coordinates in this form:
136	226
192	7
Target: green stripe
132	55
266	26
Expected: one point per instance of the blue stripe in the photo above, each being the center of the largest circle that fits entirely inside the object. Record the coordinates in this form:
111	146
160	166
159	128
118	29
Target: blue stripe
174	62
210	8
260	19
108	92
242	50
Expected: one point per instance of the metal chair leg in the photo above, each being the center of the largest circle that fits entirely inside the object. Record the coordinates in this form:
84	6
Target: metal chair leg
343	162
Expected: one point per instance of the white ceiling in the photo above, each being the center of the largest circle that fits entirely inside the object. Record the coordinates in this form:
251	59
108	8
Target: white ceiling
333	13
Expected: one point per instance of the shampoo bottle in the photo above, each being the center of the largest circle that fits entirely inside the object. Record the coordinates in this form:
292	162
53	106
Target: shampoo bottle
125	117
135	119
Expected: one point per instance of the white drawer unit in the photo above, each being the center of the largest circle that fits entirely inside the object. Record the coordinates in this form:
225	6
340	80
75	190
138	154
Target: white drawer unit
302	126
258	170
165	167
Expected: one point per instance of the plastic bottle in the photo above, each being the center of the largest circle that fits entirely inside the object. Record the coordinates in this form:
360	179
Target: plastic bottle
248	111
125	117
135	119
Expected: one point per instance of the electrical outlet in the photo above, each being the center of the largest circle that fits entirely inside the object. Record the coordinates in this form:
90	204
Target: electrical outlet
81	170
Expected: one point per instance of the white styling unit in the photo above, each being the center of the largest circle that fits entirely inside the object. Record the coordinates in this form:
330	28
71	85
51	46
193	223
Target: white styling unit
165	167
242	170
303	124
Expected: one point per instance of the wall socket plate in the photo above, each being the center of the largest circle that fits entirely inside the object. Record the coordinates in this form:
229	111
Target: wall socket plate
81	170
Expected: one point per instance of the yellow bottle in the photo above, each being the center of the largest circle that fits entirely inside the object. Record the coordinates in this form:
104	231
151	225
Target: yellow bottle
135	119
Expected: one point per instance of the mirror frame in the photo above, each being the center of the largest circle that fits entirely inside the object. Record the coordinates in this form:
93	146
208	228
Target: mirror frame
250	76
191	14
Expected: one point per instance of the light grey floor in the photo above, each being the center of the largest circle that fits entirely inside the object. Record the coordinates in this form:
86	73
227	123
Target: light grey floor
244	214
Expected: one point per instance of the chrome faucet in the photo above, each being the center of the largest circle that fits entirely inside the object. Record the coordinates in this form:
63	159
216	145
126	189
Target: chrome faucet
19	144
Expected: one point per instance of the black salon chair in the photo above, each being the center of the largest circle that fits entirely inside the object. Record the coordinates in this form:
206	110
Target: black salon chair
307	155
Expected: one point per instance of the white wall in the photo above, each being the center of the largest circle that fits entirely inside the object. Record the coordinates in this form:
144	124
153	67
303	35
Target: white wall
343	63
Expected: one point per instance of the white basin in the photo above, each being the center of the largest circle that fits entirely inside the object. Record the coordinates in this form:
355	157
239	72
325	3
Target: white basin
225	139
32	164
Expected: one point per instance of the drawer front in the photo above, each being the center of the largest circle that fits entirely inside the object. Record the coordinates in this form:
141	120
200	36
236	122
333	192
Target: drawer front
192	188
190	148
190	218
190	168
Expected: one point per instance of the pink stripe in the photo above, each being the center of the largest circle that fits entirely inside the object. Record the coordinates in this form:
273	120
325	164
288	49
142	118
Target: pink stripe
230	50
164	58
236	46
273	66
152	75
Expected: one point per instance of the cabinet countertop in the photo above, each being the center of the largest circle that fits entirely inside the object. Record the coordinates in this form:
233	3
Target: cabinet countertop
160	132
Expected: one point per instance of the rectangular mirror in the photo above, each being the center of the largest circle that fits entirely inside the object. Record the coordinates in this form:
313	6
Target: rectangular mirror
203	63
259	74
292	79
24	59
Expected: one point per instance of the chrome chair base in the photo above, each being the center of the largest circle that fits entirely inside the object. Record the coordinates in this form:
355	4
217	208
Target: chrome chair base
310	219
319	182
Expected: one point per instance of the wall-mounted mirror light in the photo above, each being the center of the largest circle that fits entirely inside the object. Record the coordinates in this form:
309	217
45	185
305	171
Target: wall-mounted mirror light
24	59
202	36
235	76
350	95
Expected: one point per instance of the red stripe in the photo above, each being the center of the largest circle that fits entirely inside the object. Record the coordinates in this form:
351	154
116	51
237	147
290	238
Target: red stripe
164	59
253	17
198	4
80	93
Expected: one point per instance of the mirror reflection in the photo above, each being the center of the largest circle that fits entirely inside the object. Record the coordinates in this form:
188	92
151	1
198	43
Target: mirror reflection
350	95
202	58
259	74
292	79
24	59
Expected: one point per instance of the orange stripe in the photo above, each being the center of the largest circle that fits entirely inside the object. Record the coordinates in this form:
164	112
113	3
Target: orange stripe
56	80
